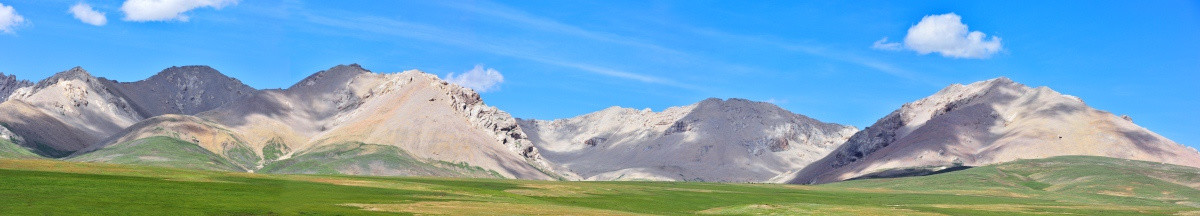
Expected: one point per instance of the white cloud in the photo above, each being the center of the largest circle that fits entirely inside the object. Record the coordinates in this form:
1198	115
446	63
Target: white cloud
9	19
945	34
167	10
85	13
480	79
883	44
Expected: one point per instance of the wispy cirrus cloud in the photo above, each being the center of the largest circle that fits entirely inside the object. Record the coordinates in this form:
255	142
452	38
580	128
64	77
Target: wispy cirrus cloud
883	44
393	27
824	52
525	20
520	19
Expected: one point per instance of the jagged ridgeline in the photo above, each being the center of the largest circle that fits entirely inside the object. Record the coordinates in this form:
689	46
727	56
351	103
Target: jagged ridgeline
733	140
349	120
345	120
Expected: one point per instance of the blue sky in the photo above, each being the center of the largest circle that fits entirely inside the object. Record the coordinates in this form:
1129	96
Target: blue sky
565	58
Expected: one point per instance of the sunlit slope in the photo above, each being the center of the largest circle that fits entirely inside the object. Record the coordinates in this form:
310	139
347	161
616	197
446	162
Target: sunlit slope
1062	185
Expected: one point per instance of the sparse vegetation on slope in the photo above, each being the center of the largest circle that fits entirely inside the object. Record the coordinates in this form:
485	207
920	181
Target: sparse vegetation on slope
8	149
1074	179
160	151
367	159
274	149
1064	185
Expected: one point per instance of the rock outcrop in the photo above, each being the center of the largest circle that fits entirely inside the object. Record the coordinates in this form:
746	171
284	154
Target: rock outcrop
10	83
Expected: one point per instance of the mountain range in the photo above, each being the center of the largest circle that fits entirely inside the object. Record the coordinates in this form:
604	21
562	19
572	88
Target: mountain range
350	120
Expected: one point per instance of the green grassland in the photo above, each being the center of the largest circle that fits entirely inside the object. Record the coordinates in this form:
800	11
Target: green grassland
8	149
1061	185
344	158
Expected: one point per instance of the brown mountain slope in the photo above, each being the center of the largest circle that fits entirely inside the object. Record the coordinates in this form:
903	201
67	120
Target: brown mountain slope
990	122
206	135
733	140
67	112
414	111
73	110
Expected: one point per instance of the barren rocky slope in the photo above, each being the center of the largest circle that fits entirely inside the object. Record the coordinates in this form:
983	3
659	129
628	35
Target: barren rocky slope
733	140
73	110
67	112
194	133
420	114
990	122
349	120
361	122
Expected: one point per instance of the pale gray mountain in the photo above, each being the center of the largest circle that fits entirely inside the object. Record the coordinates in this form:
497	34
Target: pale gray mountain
733	140
67	112
73	110
989	122
349	120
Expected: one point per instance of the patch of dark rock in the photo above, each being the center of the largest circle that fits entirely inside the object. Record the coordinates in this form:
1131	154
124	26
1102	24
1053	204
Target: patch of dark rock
595	141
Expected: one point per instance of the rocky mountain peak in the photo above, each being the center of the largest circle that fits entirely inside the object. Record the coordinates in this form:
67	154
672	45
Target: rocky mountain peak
337	75
684	142
988	122
10	83
1001	80
712	103
190	70
76	73
184	90
731	102
914	115
739	109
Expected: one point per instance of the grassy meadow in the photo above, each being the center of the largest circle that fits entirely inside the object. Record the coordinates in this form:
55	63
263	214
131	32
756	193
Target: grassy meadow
1062	185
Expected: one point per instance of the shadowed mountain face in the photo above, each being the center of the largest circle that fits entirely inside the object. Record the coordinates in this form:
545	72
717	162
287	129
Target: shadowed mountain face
991	122
184	90
733	140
